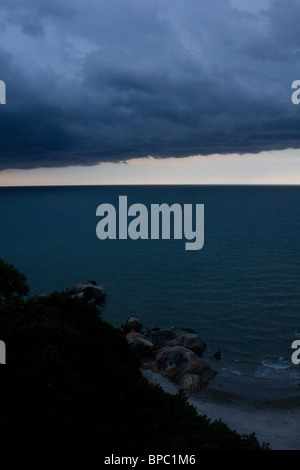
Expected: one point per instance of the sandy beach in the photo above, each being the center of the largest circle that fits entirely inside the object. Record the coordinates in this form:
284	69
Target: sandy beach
274	422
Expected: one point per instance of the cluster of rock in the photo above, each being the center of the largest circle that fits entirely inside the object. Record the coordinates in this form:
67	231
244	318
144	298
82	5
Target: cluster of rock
176	353
88	289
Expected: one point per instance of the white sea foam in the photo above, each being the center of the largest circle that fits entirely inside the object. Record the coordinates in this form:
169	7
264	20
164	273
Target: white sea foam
281	369
232	371
278	364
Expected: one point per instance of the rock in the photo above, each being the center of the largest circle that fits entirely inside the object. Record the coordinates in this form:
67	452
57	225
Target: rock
162	338
185	337
218	355
133	323
146	332
184	367
192	382
89	289
139	343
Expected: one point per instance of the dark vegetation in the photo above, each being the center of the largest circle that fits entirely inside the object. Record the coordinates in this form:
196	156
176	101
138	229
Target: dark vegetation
71	383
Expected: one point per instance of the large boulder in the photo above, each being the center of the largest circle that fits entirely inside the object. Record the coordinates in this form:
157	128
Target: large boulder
184	367
195	382
139	343
132	324
89	289
185	337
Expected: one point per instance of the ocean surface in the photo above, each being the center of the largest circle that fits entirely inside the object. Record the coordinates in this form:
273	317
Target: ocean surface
241	292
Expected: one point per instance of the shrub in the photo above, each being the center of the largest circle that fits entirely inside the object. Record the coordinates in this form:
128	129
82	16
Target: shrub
74	385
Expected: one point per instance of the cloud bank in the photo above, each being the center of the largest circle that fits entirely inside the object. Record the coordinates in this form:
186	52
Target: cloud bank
97	80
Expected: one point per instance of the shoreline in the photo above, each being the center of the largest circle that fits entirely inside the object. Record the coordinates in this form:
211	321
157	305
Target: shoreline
274	421
264	405
256	390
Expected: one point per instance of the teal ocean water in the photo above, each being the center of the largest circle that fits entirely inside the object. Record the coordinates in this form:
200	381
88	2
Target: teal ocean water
241	292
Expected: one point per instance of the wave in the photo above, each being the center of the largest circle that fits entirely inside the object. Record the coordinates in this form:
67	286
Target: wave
279	369
232	371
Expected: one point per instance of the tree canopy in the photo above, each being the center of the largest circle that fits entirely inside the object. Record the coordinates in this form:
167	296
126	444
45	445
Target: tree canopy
75	385
12	282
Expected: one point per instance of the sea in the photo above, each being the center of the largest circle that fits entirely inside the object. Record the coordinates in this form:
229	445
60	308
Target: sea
241	292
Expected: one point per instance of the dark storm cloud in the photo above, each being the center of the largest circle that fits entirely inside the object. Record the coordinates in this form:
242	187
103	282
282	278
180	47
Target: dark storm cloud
93	81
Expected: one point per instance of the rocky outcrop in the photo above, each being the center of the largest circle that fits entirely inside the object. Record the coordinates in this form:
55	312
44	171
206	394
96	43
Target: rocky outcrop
176	352
185	337
89	289
132	324
139	343
218	355
183	367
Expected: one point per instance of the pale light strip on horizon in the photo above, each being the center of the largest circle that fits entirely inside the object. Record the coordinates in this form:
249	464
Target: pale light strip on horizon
278	167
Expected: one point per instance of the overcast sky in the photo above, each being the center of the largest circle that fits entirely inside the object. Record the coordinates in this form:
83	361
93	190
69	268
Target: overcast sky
93	81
